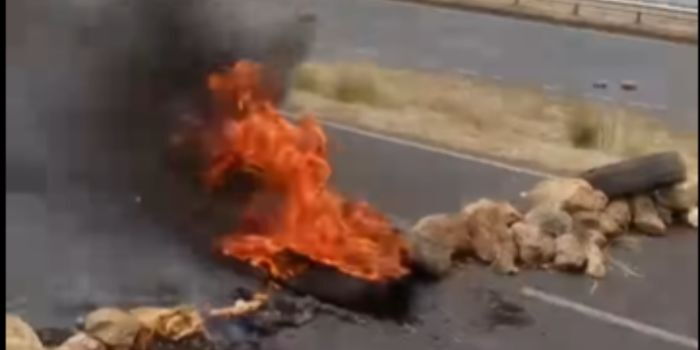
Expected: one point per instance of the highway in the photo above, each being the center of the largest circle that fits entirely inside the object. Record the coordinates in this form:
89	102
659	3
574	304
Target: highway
564	60
86	236
101	249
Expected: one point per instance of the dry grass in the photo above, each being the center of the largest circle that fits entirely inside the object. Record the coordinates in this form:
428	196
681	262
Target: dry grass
512	123
610	18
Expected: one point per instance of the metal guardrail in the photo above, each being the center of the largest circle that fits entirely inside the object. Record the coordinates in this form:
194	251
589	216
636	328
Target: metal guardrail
638	8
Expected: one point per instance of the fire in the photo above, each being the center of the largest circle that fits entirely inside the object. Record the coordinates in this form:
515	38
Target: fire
295	211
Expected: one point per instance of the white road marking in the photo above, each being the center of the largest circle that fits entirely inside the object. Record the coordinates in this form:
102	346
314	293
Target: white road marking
427	148
607	317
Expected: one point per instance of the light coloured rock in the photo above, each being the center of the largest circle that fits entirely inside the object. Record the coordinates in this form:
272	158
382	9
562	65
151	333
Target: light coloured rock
450	228
114	327
645	217
620	213
595	261
550	220
595	220
665	214
19	335
434	239
491	239
170	323
430	254
570	194
679	197
534	247
81	341
507	213
586	198
570	252
692	217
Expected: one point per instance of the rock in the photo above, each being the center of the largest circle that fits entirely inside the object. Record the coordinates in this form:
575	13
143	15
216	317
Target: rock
81	341
595	220
585	198
570	252
692	217
507	213
19	335
434	240
491	239
595	261
114	327
534	247
645	217
619	212
550	220
570	194
170	323
665	214
680	197
450	228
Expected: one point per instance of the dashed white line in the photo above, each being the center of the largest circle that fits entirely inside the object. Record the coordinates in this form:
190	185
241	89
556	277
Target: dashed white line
610	318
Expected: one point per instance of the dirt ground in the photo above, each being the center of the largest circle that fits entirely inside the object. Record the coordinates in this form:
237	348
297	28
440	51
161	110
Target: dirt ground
518	124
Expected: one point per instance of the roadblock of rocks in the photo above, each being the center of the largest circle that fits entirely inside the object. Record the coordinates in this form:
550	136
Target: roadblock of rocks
568	224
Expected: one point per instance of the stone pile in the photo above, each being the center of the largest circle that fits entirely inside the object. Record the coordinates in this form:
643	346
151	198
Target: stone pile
569	226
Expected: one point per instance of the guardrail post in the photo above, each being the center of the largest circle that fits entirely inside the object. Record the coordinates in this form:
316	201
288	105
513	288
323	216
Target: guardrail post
638	19
576	9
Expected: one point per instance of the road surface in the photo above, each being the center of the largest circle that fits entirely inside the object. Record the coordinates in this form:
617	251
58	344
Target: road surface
566	59
101	250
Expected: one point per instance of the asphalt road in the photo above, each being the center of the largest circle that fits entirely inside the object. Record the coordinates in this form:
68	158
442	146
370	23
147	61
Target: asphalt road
566	60
67	253
70	249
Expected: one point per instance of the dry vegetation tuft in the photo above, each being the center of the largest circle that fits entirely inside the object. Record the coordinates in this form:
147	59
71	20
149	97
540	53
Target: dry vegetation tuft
519	124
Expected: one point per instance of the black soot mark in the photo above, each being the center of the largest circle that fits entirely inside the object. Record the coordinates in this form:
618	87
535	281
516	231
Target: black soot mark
502	312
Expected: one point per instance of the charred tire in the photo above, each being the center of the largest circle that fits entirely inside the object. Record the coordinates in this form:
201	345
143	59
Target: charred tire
637	175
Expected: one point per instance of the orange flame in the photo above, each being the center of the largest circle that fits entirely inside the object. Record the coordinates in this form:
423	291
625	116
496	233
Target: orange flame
295	211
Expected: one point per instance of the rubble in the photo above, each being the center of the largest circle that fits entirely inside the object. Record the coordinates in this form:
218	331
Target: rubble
595	261
619	212
172	323
434	239
19	335
114	327
645	217
82	341
534	247
570	194
550	219
570	253
570	225
692	217
679	197
491	239
665	214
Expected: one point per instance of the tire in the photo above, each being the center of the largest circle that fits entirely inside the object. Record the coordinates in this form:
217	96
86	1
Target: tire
637	175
